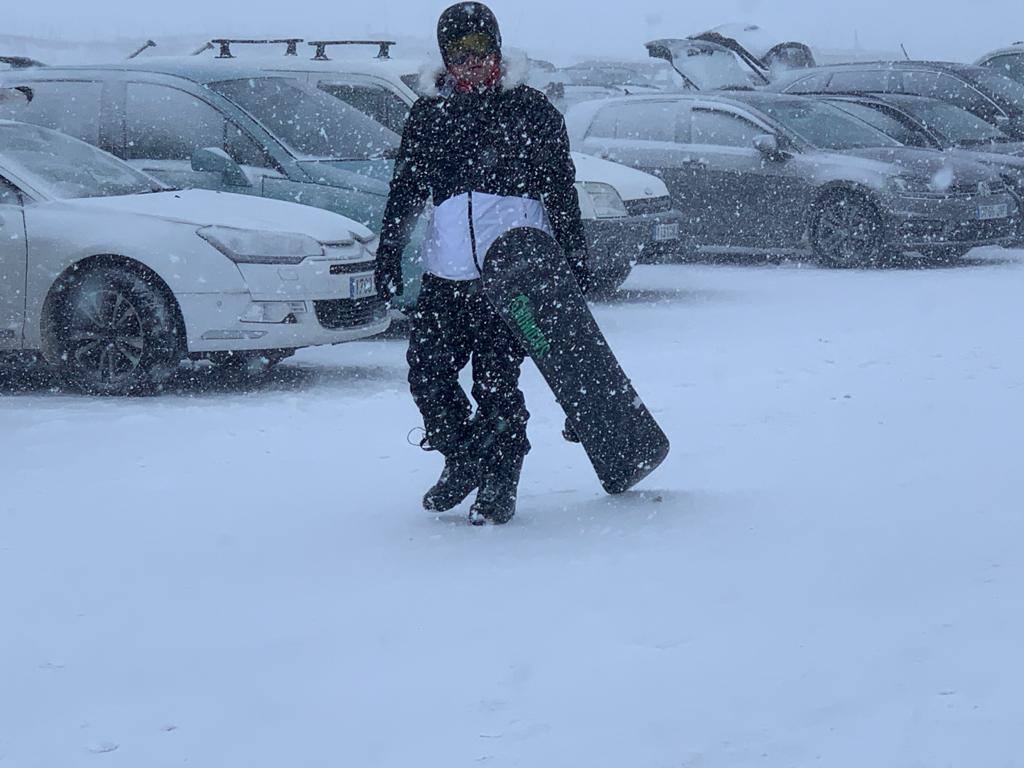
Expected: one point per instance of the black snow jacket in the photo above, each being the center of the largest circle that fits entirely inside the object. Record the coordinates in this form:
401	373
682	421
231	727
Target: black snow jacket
509	142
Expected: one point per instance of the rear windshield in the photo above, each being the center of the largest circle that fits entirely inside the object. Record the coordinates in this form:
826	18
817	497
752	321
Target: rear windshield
310	122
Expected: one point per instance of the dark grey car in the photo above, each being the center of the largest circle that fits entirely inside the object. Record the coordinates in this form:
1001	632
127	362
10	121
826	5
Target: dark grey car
986	92
761	173
917	121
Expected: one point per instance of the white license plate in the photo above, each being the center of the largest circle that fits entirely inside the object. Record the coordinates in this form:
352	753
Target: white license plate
989	212
663	232
362	287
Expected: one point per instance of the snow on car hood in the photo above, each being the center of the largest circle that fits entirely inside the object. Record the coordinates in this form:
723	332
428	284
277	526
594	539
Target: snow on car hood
944	170
199	207
630	183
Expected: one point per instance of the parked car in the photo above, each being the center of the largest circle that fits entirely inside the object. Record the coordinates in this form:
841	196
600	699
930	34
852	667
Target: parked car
219	125
627	215
1007	61
757	172
983	91
917	121
116	278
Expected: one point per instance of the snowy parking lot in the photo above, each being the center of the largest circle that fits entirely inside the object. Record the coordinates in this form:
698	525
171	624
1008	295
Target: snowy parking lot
826	570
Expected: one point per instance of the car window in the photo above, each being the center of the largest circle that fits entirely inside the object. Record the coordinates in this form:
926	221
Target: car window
1011	65
314	124
397	111
722	129
9	194
879	117
368	99
383	105
947	88
814	84
603	125
164	123
1005	91
71	107
859	81
647	121
959	126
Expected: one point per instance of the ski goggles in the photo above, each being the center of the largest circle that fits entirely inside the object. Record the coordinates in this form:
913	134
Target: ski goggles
476	44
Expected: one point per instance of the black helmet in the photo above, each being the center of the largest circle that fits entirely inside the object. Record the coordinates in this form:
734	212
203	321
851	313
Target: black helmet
464	19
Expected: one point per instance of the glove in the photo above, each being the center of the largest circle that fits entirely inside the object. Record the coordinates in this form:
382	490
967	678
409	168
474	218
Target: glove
578	262
387	274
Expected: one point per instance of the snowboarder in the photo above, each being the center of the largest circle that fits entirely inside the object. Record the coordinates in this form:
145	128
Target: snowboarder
492	154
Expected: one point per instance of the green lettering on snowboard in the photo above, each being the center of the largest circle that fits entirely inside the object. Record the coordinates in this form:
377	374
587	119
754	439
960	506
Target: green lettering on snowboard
522	313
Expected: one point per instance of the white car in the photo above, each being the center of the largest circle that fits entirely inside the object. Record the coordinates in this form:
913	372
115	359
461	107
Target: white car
116	279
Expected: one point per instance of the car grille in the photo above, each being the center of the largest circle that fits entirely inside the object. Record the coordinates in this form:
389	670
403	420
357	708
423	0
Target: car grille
647	205
350	313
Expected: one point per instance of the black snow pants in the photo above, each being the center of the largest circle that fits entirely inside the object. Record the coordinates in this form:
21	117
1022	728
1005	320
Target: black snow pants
454	325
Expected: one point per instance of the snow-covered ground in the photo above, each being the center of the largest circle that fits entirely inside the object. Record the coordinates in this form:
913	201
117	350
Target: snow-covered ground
826	571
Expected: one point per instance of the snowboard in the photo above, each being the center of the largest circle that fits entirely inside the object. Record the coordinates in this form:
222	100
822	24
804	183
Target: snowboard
528	280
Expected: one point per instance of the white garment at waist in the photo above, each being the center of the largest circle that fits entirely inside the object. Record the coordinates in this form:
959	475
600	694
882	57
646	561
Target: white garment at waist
448	250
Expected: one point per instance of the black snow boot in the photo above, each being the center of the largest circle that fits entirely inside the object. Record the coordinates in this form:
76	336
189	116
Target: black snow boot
495	502
461	474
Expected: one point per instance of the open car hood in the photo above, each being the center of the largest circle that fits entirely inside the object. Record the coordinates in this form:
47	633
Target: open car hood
705	65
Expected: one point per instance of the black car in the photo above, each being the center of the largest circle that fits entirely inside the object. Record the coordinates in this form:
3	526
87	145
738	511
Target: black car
757	172
989	94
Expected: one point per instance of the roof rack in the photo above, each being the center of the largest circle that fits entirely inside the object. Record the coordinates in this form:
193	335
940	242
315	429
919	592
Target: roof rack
384	51
226	43
20	62
145	46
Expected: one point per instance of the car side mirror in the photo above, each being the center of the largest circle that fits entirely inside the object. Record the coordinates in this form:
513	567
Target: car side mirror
216	160
768	146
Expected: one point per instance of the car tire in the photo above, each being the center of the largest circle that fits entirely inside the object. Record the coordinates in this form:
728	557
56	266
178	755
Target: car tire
112	331
847	231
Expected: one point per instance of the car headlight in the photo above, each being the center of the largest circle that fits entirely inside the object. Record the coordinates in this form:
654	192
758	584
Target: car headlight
606	201
249	246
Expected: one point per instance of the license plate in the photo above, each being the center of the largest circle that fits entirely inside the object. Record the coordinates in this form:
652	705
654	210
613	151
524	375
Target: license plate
989	212
362	287
663	232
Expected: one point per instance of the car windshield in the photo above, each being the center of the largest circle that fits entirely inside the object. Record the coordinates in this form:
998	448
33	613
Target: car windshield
1008	93
310	122
824	126
890	126
958	125
67	168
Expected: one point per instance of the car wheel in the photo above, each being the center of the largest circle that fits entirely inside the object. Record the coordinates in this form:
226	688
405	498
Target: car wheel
848	232
113	332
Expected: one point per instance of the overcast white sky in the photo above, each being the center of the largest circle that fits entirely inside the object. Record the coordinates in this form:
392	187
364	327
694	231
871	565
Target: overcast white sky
940	28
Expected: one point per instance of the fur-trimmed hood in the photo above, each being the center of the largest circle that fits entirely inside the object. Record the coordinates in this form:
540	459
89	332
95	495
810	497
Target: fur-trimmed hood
515	71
